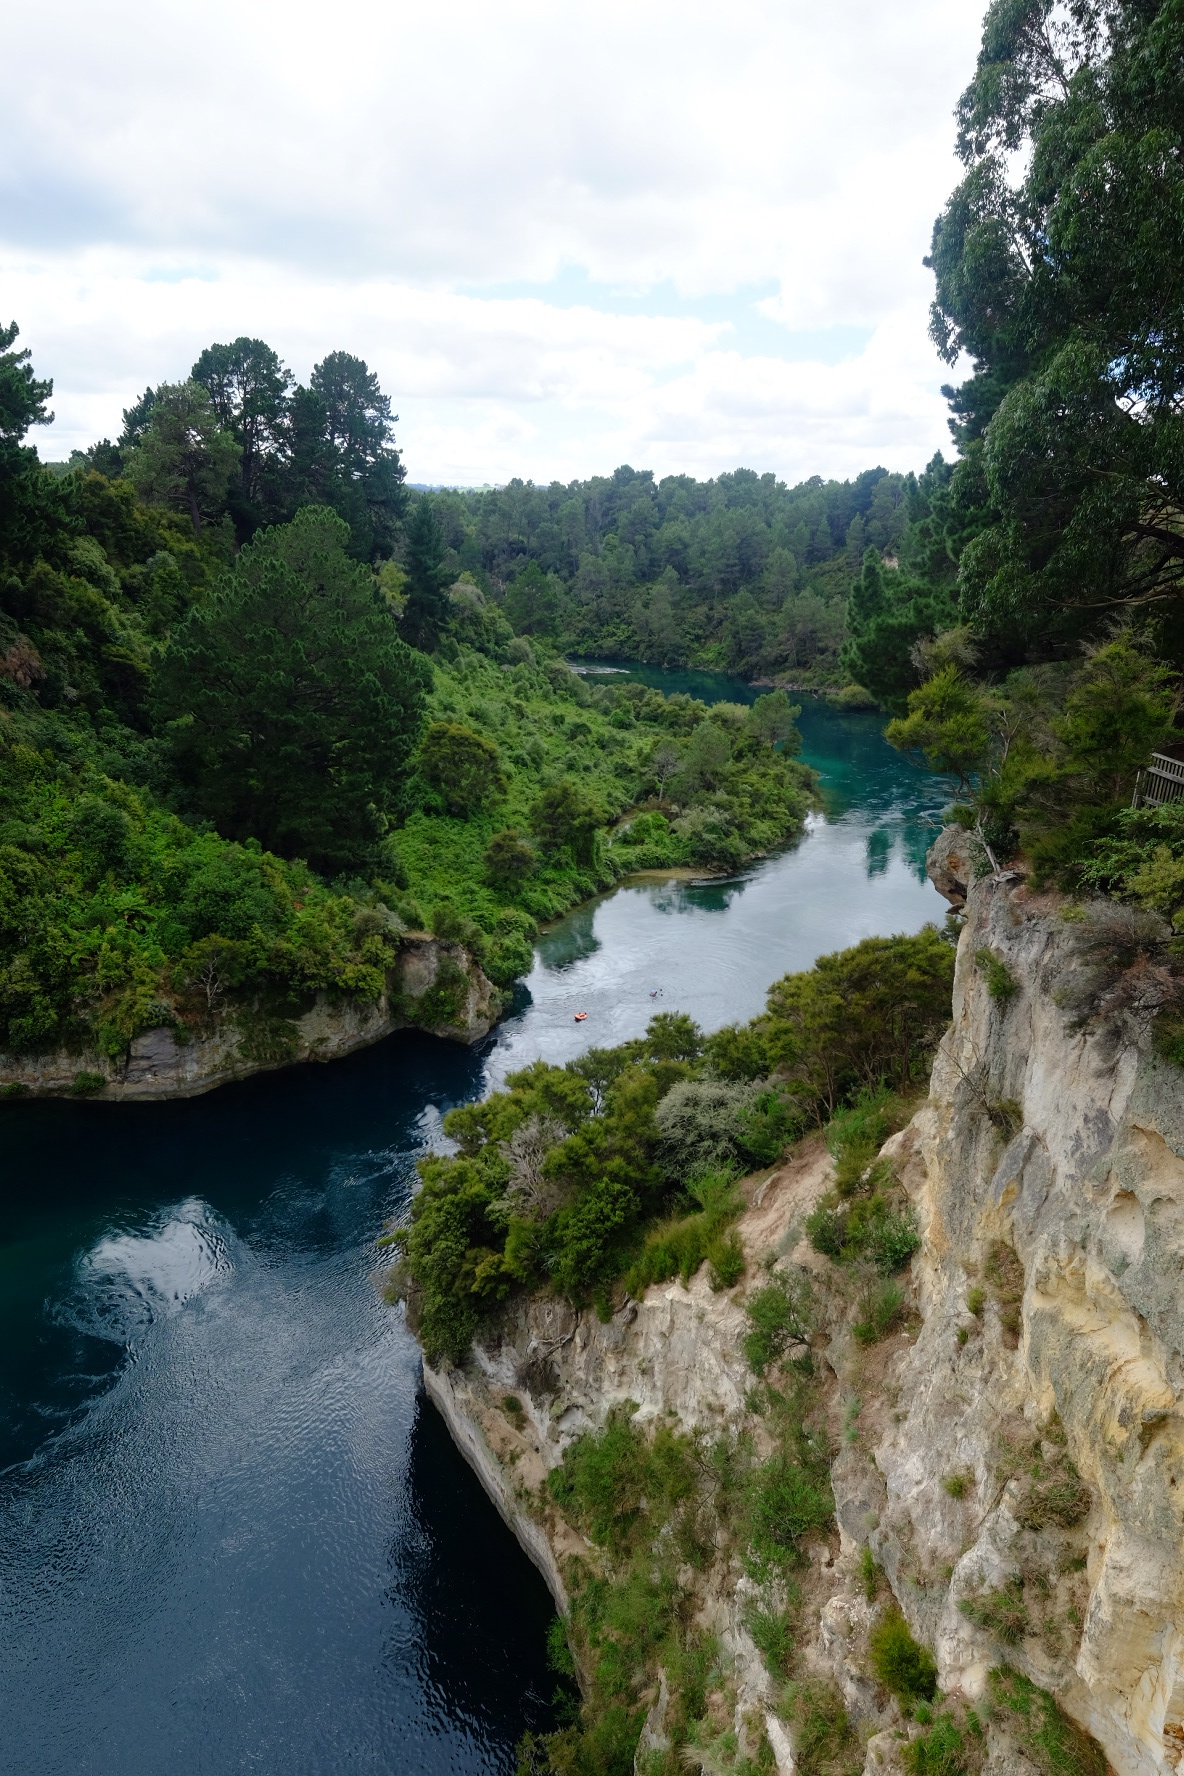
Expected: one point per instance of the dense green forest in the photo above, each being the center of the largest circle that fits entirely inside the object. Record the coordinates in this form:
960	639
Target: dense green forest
244	747
740	573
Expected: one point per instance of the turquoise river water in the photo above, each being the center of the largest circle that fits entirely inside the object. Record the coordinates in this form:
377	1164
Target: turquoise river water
234	1537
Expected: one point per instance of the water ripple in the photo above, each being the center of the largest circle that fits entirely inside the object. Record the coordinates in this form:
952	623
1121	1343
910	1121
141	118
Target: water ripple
129	1279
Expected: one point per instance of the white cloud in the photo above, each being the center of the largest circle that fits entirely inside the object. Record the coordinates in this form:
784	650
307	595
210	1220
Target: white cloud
355	178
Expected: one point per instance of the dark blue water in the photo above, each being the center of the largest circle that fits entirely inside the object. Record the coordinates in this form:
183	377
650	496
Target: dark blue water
233	1536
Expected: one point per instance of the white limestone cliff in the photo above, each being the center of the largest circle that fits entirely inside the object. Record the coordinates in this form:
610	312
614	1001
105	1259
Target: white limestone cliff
1014	1459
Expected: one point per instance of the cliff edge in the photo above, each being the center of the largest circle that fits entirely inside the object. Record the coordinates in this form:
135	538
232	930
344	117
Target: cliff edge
433	986
1047	1169
1007	1460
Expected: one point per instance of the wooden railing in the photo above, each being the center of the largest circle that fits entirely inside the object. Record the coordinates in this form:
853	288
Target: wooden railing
1160	781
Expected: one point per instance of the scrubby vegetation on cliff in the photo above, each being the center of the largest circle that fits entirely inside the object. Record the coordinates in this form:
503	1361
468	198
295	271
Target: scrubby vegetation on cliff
663	1510
614	1171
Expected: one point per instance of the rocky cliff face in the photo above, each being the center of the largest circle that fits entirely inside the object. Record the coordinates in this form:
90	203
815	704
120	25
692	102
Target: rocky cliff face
1048	1172
433	986
1014	1458
675	1355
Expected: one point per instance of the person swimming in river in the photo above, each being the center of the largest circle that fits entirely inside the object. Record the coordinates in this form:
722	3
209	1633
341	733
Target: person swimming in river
655	992
581	1016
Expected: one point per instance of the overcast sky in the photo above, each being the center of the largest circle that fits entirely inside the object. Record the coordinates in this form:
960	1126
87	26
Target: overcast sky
684	236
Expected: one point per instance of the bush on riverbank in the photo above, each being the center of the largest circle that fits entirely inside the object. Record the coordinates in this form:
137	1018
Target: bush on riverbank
157	681
116	916
564	761
616	1168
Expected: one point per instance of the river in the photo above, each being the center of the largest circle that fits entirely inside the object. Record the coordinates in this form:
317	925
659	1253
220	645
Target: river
233	1535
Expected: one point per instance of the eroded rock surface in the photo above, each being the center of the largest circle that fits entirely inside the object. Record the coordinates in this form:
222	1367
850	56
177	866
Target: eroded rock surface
168	1063
1048	1174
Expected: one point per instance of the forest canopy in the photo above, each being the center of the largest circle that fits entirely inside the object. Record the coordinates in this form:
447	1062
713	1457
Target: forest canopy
240	759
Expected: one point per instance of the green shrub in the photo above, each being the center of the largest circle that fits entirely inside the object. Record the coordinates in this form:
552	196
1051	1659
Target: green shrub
957	1484
823	1738
779	1315
462	767
558	1650
786	1501
826	1229
1169	1037
1055	1744
508	860
443	1005
891	1238
726	1258
868	1228
711	1123
865	1016
773	1636
880	1310
939	1751
856	1134
85	1084
1142	859
1001	983
900	1663
609	1479
679	1245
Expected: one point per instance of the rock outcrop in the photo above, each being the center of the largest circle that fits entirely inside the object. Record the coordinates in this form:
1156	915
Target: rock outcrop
433	986
949	865
675	1355
1014	1459
1048	1172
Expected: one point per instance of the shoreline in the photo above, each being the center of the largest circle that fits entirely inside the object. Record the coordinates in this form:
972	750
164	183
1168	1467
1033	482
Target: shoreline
246	1040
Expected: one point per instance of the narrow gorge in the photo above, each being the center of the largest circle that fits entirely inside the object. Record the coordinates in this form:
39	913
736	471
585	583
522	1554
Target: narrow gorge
1005	1459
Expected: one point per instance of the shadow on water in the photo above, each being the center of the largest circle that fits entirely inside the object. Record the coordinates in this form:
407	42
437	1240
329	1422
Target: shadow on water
232	1533
462	1571
572	940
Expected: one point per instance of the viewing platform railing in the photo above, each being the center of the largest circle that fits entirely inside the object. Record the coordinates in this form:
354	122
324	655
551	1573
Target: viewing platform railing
1160	781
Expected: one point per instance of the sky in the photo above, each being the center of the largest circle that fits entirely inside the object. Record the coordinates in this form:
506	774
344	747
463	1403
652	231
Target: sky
688	237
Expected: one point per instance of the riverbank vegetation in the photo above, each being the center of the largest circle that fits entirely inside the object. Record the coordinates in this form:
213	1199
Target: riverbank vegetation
226	774
616	1170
